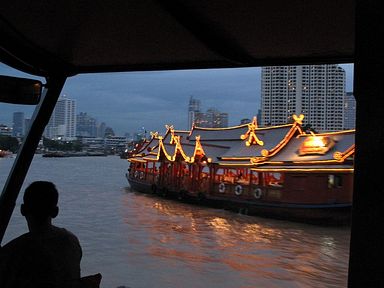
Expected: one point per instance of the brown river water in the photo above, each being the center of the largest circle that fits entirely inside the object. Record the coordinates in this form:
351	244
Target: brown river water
138	240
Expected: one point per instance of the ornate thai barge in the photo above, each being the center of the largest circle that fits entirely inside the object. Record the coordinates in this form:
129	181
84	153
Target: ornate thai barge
280	171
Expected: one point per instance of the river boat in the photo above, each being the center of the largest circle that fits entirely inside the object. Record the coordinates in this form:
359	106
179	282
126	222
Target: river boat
278	171
5	153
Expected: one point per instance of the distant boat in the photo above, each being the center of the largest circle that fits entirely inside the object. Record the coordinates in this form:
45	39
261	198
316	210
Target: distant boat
55	154
280	171
5	153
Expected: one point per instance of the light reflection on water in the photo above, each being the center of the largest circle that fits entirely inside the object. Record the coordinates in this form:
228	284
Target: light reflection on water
231	250
140	240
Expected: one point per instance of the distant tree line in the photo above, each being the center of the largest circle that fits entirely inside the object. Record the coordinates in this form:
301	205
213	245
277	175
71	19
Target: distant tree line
9	143
55	145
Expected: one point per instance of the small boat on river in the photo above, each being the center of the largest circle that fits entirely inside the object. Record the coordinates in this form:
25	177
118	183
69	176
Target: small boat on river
5	153
278	171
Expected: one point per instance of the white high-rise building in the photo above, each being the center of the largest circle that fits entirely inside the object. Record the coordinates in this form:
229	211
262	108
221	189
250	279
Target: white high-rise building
317	91
62	124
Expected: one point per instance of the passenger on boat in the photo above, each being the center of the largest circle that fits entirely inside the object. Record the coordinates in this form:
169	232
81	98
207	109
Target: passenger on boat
46	256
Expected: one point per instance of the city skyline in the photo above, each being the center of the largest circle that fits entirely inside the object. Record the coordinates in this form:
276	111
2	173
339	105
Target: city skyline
127	102
62	124
212	118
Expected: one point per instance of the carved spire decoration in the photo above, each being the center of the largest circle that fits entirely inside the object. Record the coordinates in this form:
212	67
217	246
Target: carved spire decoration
172	129
251	134
198	147
298	119
154	134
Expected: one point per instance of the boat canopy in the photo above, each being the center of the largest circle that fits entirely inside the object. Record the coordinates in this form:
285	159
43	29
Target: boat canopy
71	37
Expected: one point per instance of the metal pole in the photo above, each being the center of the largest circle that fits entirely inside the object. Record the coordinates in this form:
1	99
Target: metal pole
24	157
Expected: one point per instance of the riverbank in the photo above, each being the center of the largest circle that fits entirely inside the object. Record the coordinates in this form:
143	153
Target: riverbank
58	154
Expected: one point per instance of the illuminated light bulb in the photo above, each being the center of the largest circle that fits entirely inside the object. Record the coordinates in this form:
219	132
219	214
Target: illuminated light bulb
316	141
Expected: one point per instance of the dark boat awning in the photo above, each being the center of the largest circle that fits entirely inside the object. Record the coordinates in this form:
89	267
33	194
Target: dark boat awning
71	37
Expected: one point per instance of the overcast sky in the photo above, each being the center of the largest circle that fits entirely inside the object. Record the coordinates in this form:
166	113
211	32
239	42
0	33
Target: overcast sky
127	102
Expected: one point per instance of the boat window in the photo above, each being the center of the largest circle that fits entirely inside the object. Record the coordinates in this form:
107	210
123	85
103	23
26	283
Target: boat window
254	177
219	176
335	181
185	170
230	175
151	167
274	179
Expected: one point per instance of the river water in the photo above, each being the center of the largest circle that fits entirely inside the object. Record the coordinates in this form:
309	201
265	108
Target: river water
138	240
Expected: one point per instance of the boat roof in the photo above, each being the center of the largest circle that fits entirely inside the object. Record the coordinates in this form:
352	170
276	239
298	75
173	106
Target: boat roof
343	141
71	37
276	147
338	156
218	134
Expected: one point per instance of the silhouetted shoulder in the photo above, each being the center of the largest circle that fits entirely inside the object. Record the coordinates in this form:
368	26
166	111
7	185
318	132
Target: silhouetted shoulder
17	245
46	258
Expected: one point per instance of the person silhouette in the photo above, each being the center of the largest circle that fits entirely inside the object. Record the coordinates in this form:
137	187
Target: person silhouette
46	256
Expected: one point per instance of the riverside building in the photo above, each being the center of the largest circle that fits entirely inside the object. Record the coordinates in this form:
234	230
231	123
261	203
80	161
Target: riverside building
316	91
212	118
62	124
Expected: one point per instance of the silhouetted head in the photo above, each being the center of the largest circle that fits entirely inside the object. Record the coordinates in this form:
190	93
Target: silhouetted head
40	201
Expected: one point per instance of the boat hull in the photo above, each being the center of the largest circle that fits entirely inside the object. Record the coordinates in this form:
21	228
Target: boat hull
319	214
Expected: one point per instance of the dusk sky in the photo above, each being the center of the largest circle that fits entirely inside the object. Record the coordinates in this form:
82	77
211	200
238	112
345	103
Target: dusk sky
127	102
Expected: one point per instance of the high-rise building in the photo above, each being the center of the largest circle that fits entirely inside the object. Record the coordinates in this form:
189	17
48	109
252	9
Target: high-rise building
349	111
193	108
211	119
5	130
317	91
86	126
101	130
18	124
62	124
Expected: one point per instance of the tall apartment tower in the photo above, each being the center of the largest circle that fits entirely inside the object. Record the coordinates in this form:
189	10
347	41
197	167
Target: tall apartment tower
18	124
193	108
62	124
317	91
